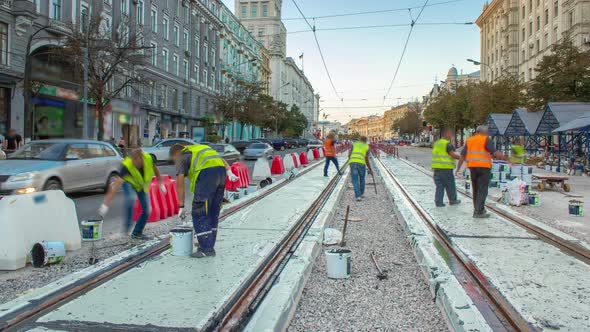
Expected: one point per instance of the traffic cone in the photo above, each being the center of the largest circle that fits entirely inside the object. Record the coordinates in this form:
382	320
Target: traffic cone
278	167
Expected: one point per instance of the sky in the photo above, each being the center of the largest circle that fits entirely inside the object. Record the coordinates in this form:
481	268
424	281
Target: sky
362	62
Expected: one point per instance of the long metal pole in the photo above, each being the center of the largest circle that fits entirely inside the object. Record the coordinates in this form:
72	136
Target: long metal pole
85	111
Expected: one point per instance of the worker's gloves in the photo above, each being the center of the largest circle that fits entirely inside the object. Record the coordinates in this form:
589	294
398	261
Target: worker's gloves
163	189
103	210
232	177
182	214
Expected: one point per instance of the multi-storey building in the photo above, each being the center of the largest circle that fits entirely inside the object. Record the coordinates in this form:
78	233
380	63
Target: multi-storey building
390	117
288	83
516	34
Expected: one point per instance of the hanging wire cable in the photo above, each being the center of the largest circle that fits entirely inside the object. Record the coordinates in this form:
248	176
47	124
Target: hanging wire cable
401	58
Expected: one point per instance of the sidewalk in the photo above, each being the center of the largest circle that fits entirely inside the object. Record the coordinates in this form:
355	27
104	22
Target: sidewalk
178	293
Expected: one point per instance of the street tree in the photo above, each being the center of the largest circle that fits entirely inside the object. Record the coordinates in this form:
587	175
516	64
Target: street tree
503	95
411	122
563	75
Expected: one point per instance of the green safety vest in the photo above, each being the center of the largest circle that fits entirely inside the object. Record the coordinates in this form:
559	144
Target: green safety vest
517	155
203	157
134	177
359	153
441	159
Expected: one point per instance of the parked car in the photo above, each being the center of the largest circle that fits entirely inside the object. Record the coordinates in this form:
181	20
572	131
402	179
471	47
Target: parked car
262	140
59	164
302	142
314	144
241	145
161	150
258	150
292	143
227	152
280	144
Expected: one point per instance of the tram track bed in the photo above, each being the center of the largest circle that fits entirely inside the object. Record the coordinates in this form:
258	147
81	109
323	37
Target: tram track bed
540	283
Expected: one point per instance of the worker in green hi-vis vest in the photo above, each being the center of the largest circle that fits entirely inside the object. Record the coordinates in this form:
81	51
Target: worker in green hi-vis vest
443	164
358	159
517	153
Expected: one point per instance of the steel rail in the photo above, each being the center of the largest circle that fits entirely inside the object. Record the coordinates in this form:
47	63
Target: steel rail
573	249
67	293
504	311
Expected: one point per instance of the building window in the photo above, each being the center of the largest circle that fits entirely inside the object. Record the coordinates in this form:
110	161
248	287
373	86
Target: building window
264	10
84	15
185	105
178	4
212	81
244	11
125	7
164	97
55	10
3	44
196	74
530	28
538	23
205	52
213	58
175	99
176	65
204	81
185	40
523	56
166	58
176	35
546	16
165	28
260	32
546	41
523	11
197	47
154	19
570	19
154	57
140	12
555	35
538	45
185	69
555	9
523	34
254	10
187	13
530	73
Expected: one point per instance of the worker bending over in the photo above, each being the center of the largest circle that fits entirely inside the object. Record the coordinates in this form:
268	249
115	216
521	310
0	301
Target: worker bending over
358	159
443	164
478	152
136	172
517	153
206	171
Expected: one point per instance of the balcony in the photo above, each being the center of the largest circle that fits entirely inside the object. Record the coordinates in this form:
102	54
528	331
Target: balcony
6	3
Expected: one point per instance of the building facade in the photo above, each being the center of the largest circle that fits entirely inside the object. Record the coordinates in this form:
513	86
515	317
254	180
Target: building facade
516	34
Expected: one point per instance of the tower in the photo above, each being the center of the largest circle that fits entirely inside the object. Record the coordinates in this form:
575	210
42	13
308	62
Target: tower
263	20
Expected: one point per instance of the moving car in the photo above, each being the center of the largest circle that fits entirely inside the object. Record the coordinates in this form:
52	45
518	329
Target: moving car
227	152
59	164
258	150
161	150
279	144
241	145
262	140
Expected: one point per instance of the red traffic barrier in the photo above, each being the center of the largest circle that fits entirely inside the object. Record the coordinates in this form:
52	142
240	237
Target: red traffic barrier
156	205
241	170
170	198
233	186
278	166
323	152
303	158
295	160
316	154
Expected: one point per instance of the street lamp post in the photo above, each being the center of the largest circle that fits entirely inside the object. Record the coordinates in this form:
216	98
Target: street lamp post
479	63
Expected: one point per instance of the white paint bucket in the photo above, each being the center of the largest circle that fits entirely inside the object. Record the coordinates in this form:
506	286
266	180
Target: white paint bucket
338	263
45	253
252	188
243	191
181	241
91	230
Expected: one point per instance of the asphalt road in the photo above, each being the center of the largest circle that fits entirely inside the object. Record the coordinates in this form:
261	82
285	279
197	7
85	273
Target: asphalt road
87	203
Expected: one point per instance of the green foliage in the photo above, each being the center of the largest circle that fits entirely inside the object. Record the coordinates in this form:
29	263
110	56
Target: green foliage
213	138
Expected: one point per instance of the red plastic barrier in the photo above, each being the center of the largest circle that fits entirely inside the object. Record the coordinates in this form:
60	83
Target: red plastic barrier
303	158
295	160
278	166
233	186
323	152
241	170
170	198
156	205
316	154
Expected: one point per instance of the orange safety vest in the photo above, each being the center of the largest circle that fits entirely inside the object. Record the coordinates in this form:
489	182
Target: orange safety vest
330	148
477	155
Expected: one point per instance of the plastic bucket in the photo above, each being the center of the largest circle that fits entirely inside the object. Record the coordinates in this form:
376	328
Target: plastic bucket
576	208
91	230
534	199
338	263
243	191
45	253
252	188
181	241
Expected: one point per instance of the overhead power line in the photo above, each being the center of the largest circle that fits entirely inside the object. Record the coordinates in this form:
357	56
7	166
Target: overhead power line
373	11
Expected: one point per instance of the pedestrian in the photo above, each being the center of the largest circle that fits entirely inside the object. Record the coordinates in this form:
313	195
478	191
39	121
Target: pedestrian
206	171
121	143
358	159
478	152
517	153
330	149
13	141
443	163
135	174
227	140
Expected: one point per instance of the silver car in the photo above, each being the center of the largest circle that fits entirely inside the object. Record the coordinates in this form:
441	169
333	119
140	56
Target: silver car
161	150
59	164
258	150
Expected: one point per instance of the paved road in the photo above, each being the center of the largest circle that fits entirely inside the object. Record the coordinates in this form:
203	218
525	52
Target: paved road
87	203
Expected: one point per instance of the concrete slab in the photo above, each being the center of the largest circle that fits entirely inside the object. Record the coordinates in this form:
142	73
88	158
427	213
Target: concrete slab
179	292
547	286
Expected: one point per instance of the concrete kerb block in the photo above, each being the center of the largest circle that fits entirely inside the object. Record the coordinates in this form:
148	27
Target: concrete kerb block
278	308
460	312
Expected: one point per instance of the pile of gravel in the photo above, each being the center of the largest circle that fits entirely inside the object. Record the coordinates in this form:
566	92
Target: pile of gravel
363	302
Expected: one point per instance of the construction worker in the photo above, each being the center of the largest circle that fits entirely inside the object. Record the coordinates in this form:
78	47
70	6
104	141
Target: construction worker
478	152
517	153
206	172
443	164
330	149
358	159
136	172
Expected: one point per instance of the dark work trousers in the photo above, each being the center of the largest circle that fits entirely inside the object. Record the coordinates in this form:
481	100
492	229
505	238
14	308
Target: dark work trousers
480	180
144	202
327	164
444	181
207	201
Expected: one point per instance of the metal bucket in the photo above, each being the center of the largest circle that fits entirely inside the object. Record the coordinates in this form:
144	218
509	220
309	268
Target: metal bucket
181	241
46	253
91	230
338	263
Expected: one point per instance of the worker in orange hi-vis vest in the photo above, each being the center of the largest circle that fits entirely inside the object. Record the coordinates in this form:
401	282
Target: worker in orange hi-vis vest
478	152
330	154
